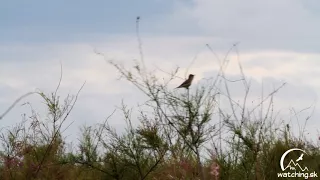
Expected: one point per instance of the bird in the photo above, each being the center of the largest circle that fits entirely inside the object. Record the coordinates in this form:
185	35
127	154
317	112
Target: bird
187	82
300	158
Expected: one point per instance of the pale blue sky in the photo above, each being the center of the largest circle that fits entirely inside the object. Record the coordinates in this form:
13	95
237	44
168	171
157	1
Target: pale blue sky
279	42
60	20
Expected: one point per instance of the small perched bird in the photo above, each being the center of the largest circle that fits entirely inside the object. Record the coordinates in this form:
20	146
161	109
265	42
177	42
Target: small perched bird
187	82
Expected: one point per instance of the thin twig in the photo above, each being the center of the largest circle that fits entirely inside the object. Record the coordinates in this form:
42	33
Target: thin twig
15	102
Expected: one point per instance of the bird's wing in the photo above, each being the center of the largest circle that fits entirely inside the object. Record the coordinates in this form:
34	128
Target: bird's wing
184	83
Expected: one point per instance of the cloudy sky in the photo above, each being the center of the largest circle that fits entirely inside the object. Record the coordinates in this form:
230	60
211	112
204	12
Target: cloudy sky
279	42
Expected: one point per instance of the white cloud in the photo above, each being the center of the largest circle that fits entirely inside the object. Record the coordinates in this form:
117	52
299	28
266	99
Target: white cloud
259	25
39	66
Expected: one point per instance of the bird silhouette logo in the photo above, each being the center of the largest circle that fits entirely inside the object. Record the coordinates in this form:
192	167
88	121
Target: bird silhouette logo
187	83
300	158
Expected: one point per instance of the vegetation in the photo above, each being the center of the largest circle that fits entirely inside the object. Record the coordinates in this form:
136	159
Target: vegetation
183	134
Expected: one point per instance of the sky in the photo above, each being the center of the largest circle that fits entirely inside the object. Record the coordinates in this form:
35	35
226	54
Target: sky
278	42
